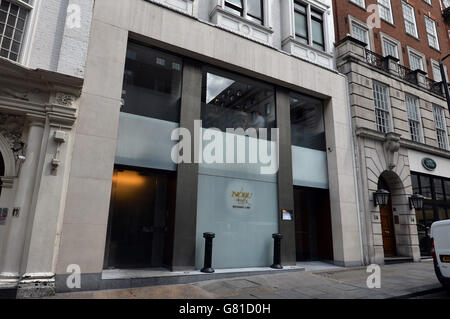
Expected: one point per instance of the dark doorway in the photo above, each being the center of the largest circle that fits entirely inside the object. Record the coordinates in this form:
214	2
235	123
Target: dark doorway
141	218
387	223
313	233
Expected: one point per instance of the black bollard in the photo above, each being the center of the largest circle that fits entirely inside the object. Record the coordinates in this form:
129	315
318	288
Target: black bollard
277	251
207	267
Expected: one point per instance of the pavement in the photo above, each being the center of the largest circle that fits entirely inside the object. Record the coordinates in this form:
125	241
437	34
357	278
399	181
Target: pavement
405	280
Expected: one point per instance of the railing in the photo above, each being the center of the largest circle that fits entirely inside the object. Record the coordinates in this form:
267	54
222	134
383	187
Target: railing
376	60
406	74
433	86
403	72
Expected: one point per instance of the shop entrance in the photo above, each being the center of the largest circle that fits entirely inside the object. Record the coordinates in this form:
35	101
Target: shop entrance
141	218
313	234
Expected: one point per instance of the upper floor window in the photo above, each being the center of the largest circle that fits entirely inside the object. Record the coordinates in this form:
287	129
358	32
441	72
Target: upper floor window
382	107
390	48
360	3
385	10
412	108
360	33
416	61
249	9
441	127
410	19
432	33
309	25
13	19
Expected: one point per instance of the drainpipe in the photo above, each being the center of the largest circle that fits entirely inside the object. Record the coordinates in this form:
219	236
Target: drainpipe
355	171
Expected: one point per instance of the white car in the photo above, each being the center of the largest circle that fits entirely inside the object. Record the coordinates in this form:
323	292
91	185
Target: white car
440	250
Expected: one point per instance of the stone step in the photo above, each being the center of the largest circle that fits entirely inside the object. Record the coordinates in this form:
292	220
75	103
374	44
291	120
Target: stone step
397	260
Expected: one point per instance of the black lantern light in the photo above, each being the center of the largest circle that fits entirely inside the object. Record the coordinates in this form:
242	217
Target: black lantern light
381	197
416	201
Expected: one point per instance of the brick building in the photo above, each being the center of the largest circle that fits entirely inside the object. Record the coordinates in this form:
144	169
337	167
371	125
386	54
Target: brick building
400	119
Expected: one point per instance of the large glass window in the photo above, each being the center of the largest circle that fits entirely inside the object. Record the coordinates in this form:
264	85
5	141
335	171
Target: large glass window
430	26
13	20
317	30
151	110
307	126
152	83
230	101
436	191
385	10
441	127
410	19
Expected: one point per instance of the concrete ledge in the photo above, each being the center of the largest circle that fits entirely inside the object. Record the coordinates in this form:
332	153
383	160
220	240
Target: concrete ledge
142	278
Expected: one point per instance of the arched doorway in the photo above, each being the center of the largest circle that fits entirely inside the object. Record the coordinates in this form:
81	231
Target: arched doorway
387	222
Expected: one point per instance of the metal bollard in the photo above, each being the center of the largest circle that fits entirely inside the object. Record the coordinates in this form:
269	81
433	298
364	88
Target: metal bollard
277	251
207	267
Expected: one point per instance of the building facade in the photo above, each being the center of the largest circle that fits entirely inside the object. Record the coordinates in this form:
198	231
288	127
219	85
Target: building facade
43	48
157	68
400	118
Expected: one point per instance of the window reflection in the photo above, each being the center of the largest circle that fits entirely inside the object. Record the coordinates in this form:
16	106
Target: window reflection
231	101
152	83
307	127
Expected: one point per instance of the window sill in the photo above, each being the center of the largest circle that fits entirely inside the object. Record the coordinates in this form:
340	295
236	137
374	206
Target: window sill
309	53
184	6
240	25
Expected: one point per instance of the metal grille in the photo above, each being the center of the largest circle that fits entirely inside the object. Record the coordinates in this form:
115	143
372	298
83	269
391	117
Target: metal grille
382	112
13	20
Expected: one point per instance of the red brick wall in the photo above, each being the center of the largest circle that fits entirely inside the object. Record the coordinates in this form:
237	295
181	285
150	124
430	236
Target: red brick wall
344	8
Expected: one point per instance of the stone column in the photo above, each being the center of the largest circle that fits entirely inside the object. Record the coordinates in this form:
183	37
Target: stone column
15	237
285	179
187	175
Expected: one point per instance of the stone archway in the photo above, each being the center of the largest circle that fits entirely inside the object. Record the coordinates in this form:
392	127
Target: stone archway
395	217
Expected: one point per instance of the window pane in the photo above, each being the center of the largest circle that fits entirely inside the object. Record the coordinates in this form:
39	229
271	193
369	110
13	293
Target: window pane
301	27
317	34
438	189
426	186
447	189
415	183
254	8
442	213
231	101
152	83
307	127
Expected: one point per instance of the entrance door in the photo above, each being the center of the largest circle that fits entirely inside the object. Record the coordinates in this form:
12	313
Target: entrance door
313	235
388	231
140	226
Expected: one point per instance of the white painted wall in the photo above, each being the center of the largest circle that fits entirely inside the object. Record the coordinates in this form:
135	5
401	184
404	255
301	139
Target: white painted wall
415	164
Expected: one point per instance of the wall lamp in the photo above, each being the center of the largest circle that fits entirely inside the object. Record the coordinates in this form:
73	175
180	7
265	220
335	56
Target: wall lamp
381	197
416	201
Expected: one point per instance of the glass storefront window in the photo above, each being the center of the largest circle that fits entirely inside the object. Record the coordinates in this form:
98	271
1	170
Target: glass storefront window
152	83
442	213
438	189
425	186
232	101
447	189
307	126
415	184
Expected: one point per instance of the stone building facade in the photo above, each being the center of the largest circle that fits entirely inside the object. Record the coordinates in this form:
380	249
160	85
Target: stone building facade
42	58
195	58
400	124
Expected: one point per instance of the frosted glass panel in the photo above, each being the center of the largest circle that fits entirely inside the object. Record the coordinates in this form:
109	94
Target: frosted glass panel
243	215
145	142
309	167
245	169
